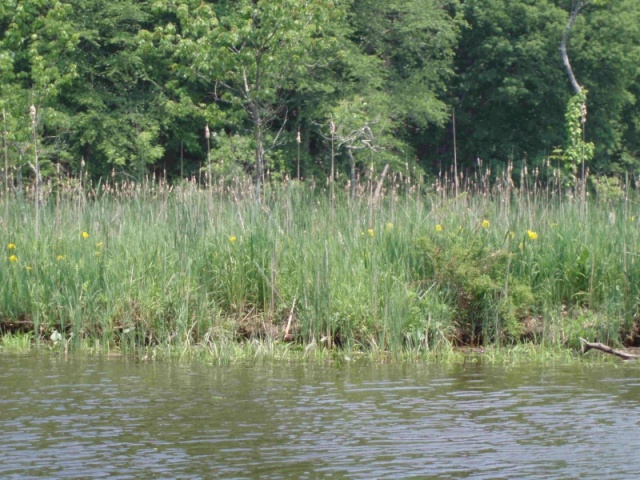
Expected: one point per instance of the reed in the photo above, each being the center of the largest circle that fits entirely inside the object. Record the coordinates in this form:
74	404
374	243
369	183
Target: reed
153	269
17	343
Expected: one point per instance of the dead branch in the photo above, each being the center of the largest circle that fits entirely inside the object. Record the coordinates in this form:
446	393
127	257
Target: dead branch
586	346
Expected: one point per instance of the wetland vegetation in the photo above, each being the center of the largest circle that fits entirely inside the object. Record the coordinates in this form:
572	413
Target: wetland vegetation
297	179
418	271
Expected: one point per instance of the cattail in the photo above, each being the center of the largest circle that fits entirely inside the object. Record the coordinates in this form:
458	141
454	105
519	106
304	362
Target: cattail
207	133
32	113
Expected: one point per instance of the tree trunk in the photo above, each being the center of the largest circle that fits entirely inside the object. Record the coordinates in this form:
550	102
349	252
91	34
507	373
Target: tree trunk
577	5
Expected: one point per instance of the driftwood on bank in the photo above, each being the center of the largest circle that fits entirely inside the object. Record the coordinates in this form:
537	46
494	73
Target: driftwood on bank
586	346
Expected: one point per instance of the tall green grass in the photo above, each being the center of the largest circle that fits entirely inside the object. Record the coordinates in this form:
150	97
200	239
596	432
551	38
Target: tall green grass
185	269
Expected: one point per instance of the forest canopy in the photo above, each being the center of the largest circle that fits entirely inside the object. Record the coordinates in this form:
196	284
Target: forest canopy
310	87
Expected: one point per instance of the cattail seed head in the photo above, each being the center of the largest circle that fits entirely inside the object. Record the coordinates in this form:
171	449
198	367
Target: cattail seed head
207	133
32	113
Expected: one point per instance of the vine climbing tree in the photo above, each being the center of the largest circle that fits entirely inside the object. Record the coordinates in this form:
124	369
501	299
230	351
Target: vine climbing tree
577	151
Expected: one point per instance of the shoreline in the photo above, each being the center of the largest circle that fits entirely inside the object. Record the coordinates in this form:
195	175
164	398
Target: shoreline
270	351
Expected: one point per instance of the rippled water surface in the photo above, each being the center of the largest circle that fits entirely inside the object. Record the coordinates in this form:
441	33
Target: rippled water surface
111	418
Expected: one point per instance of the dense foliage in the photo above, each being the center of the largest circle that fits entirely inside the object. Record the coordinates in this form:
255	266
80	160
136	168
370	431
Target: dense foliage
294	87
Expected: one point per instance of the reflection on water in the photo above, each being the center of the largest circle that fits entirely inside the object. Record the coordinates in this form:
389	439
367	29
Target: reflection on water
106	418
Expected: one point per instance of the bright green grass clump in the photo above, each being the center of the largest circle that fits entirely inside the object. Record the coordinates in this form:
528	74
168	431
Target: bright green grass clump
193	272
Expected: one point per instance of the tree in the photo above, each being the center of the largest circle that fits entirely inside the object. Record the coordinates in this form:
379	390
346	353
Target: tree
79	60
26	78
251	51
414	40
414	45
509	92
113	106
577	150
354	129
605	53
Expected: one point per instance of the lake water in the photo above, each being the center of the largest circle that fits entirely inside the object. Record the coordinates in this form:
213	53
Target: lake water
91	417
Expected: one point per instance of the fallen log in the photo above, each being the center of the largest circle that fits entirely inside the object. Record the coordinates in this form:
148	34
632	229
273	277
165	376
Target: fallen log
586	346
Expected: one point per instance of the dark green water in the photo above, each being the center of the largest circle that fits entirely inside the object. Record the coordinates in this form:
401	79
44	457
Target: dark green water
110	418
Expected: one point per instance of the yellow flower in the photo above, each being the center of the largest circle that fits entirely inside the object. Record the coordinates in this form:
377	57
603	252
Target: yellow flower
99	245
98	253
11	246
486	223
232	238
28	268
389	226
13	258
532	235
85	235
438	228
370	232
59	257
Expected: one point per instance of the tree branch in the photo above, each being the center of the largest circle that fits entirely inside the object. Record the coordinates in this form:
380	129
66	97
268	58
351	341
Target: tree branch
586	346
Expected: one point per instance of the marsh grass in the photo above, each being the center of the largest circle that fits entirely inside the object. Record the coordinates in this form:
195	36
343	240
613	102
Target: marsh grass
159	271
19	342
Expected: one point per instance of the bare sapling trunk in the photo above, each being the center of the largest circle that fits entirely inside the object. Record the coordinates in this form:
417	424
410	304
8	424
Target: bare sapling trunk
298	141
32	113
259	156
6	167
455	152
207	136
333	155
6	153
